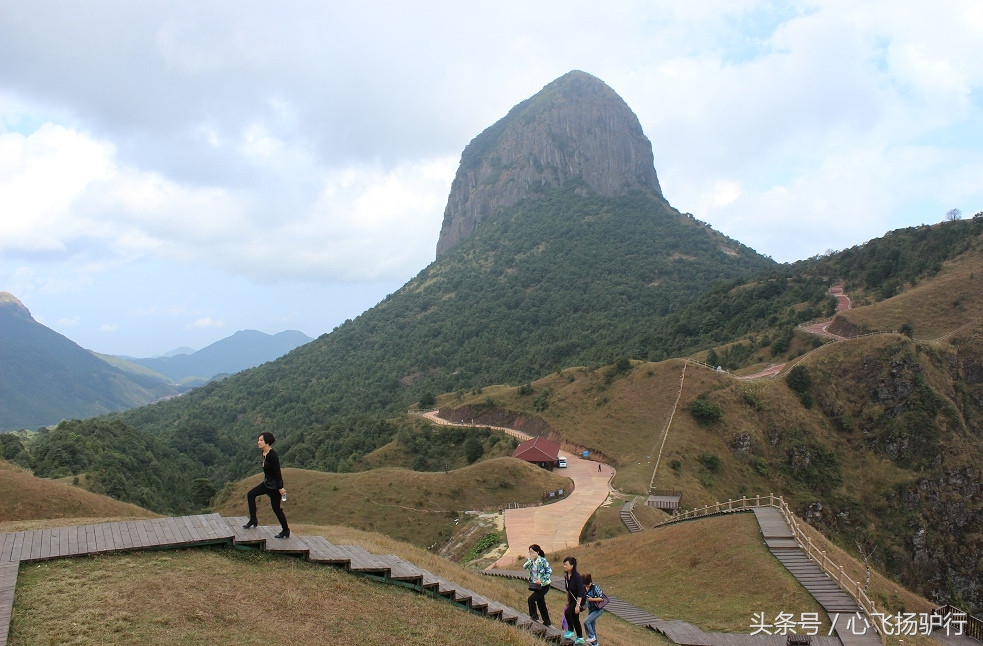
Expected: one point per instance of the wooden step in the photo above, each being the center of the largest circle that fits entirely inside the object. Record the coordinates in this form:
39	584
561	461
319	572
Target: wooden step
186	531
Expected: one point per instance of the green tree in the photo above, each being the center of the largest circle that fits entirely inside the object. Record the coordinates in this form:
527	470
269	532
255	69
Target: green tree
473	449
799	379
202	492
704	410
712	359
710	462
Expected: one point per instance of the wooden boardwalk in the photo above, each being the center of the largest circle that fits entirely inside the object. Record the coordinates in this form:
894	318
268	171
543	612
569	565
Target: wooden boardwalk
781	542
628	517
838	604
8	581
210	529
680	632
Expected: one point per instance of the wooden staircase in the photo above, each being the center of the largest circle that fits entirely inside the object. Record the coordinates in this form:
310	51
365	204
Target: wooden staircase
840	606
628	517
680	632
210	529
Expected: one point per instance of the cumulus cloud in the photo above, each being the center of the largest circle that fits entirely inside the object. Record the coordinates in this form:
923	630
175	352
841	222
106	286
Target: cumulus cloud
311	146
363	222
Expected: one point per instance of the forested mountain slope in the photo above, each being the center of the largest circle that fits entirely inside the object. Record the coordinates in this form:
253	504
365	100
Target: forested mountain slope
562	275
45	377
875	440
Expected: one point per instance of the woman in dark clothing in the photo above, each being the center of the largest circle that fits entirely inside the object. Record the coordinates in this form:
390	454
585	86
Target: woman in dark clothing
576	599
272	485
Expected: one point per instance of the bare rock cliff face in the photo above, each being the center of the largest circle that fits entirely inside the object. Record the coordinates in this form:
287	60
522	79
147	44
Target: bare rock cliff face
576	129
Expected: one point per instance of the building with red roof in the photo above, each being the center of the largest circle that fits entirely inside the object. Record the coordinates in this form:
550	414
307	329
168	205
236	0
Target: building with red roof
539	450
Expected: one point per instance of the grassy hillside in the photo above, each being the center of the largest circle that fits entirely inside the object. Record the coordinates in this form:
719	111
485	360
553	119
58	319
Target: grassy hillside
617	415
30	498
931	308
679	563
880	451
237	598
419	508
144	597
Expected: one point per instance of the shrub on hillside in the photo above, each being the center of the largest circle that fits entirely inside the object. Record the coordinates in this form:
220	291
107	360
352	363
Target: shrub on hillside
705	411
800	381
710	462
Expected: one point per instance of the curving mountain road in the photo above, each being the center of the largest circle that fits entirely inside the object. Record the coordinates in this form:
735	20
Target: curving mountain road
558	525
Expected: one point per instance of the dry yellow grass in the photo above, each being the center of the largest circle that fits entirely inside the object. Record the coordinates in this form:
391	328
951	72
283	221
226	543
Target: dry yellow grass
620	422
416	507
106	599
26	497
934	307
210	596
510	592
671	571
146	598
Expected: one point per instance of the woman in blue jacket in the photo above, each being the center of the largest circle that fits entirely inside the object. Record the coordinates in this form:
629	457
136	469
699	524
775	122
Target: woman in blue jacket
594	597
540	574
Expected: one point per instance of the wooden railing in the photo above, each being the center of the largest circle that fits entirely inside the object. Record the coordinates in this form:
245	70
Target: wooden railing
744	504
628	516
853	588
974	625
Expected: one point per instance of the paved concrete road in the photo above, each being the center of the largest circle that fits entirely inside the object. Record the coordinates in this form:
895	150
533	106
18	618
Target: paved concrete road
557	525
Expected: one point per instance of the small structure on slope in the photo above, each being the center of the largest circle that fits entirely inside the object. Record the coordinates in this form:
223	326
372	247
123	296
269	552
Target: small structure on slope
540	451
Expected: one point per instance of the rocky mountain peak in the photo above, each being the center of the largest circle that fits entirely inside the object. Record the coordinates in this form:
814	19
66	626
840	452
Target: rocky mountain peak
576	129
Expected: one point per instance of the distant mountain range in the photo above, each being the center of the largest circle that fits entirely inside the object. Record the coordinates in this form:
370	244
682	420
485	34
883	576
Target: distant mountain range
244	349
46	377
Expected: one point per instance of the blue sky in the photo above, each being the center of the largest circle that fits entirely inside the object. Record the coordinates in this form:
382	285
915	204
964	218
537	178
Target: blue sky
172	172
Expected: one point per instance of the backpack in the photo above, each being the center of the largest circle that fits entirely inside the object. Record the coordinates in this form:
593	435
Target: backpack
595	591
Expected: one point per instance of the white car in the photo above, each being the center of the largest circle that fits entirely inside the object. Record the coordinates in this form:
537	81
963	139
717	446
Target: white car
562	463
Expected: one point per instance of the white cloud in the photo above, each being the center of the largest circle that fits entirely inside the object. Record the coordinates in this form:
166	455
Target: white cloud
75	199
313	144
724	192
41	175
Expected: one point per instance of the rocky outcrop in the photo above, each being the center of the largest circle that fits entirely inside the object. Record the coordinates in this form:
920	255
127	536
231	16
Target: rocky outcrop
575	130
945	548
